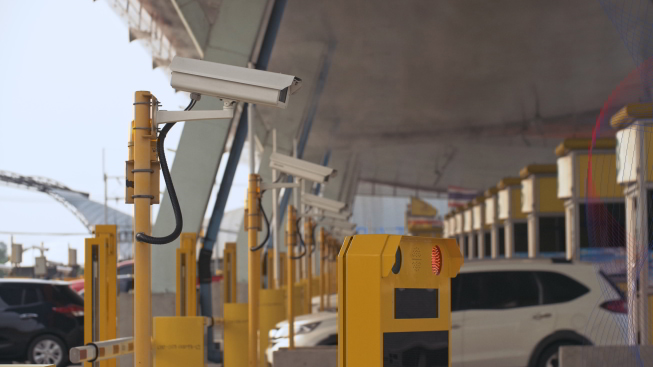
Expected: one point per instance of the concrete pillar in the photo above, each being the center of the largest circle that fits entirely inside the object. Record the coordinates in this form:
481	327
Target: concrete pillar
494	238
509	239
533	235
461	244
572	229
480	240
471	245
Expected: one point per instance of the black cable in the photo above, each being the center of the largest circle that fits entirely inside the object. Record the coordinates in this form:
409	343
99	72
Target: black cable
314	241
267	224
301	240
142	237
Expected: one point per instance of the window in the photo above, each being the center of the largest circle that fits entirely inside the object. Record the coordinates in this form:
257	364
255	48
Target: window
521	237
61	295
558	288
10	295
126	270
552	234
30	295
498	290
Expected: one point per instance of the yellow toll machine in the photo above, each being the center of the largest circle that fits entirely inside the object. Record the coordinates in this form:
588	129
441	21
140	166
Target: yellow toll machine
493	222
394	300
546	213
481	228
594	206
514	219
468	230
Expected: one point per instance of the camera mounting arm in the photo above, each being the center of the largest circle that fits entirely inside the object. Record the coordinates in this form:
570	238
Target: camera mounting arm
164	117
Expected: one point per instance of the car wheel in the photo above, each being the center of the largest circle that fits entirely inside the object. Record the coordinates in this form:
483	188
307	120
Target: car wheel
550	357
48	349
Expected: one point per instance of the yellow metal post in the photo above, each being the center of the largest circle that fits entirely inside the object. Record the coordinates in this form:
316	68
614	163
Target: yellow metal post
322	264
100	296
270	269
143	196
186	276
327	279
230	272
308	239
253	267
282	268
291	237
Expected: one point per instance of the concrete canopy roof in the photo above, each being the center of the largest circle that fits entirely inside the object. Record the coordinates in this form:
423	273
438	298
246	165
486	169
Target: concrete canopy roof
456	92
438	93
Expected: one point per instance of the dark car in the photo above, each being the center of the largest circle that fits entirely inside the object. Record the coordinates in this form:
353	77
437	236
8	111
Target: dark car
40	320
125	276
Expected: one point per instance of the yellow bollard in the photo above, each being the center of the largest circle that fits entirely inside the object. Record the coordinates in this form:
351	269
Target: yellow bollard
273	311
253	267
100	295
270	269
291	237
322	264
308	241
230	273
235	334
186	297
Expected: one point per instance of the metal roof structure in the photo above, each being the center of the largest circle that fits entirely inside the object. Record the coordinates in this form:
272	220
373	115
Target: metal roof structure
87	211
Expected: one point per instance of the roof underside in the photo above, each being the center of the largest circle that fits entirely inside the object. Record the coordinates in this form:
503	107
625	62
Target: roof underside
456	92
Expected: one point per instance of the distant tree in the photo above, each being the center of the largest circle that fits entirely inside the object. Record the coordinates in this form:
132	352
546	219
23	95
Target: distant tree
3	253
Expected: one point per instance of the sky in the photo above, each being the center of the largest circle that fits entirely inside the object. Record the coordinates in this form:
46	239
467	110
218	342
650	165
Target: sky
68	73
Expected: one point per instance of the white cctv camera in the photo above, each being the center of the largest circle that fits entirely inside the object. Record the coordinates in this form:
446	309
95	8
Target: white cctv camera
343	215
300	168
319	203
343	232
232	82
340	224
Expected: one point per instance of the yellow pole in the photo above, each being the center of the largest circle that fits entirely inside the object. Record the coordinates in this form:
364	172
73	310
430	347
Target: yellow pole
322	263
328	273
270	269
142	200
253	267
308	234
290	242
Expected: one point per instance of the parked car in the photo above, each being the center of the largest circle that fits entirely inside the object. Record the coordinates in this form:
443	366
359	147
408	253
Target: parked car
125	273
333	300
513	312
40	320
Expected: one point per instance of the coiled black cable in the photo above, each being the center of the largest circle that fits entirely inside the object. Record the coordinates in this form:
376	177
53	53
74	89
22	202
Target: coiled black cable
301	241
267	224
142	237
314	241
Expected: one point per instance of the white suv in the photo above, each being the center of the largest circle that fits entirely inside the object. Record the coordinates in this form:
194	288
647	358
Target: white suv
509	312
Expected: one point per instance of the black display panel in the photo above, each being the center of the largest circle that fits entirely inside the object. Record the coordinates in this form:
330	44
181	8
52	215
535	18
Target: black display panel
416	349
416	303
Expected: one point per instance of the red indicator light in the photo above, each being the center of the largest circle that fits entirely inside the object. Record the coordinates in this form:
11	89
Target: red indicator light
436	260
